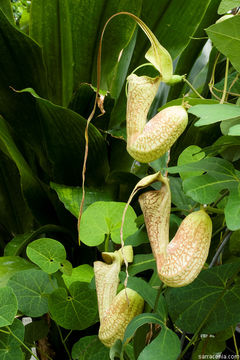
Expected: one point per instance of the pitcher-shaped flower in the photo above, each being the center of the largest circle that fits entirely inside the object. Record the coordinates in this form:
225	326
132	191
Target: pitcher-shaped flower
147	141
115	310
179	261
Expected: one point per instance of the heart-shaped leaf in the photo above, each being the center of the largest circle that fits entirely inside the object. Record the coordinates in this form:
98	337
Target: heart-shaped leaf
8	306
47	253
104	218
76	311
31	288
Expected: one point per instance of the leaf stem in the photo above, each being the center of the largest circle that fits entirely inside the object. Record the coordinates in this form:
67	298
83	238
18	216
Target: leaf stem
22	343
106	245
192	88
220	198
225	82
67	335
158	297
63	342
235	343
214	210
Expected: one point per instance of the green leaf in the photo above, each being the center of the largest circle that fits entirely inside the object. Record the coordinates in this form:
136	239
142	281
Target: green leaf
234	130
232	210
89	347
179	198
227	5
83	273
190	100
72	196
210	346
138	238
76	311
19	242
47	254
212	113
116	351
7	9
86	35
10	348
225	36
165	346
35	330
148	293
34	190
104	218
212	165
129	351
31	288
168	25
189	59
234	243
50	26
205	188
225	126
191	154
211	301
140	320
17	69
67	142
9	265
14	214
141	263
66	267
8	306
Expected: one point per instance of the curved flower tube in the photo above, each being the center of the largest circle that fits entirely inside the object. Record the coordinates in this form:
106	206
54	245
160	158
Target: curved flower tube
180	261
147	141
115	310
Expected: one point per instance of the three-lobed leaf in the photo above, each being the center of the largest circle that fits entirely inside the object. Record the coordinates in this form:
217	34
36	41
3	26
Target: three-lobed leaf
225	36
219	175
210	302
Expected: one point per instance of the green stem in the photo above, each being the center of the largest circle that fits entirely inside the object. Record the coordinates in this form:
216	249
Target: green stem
192	88
106	245
214	210
22	343
235	343
67	335
158	297
225	82
220	198
63	342
218	231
